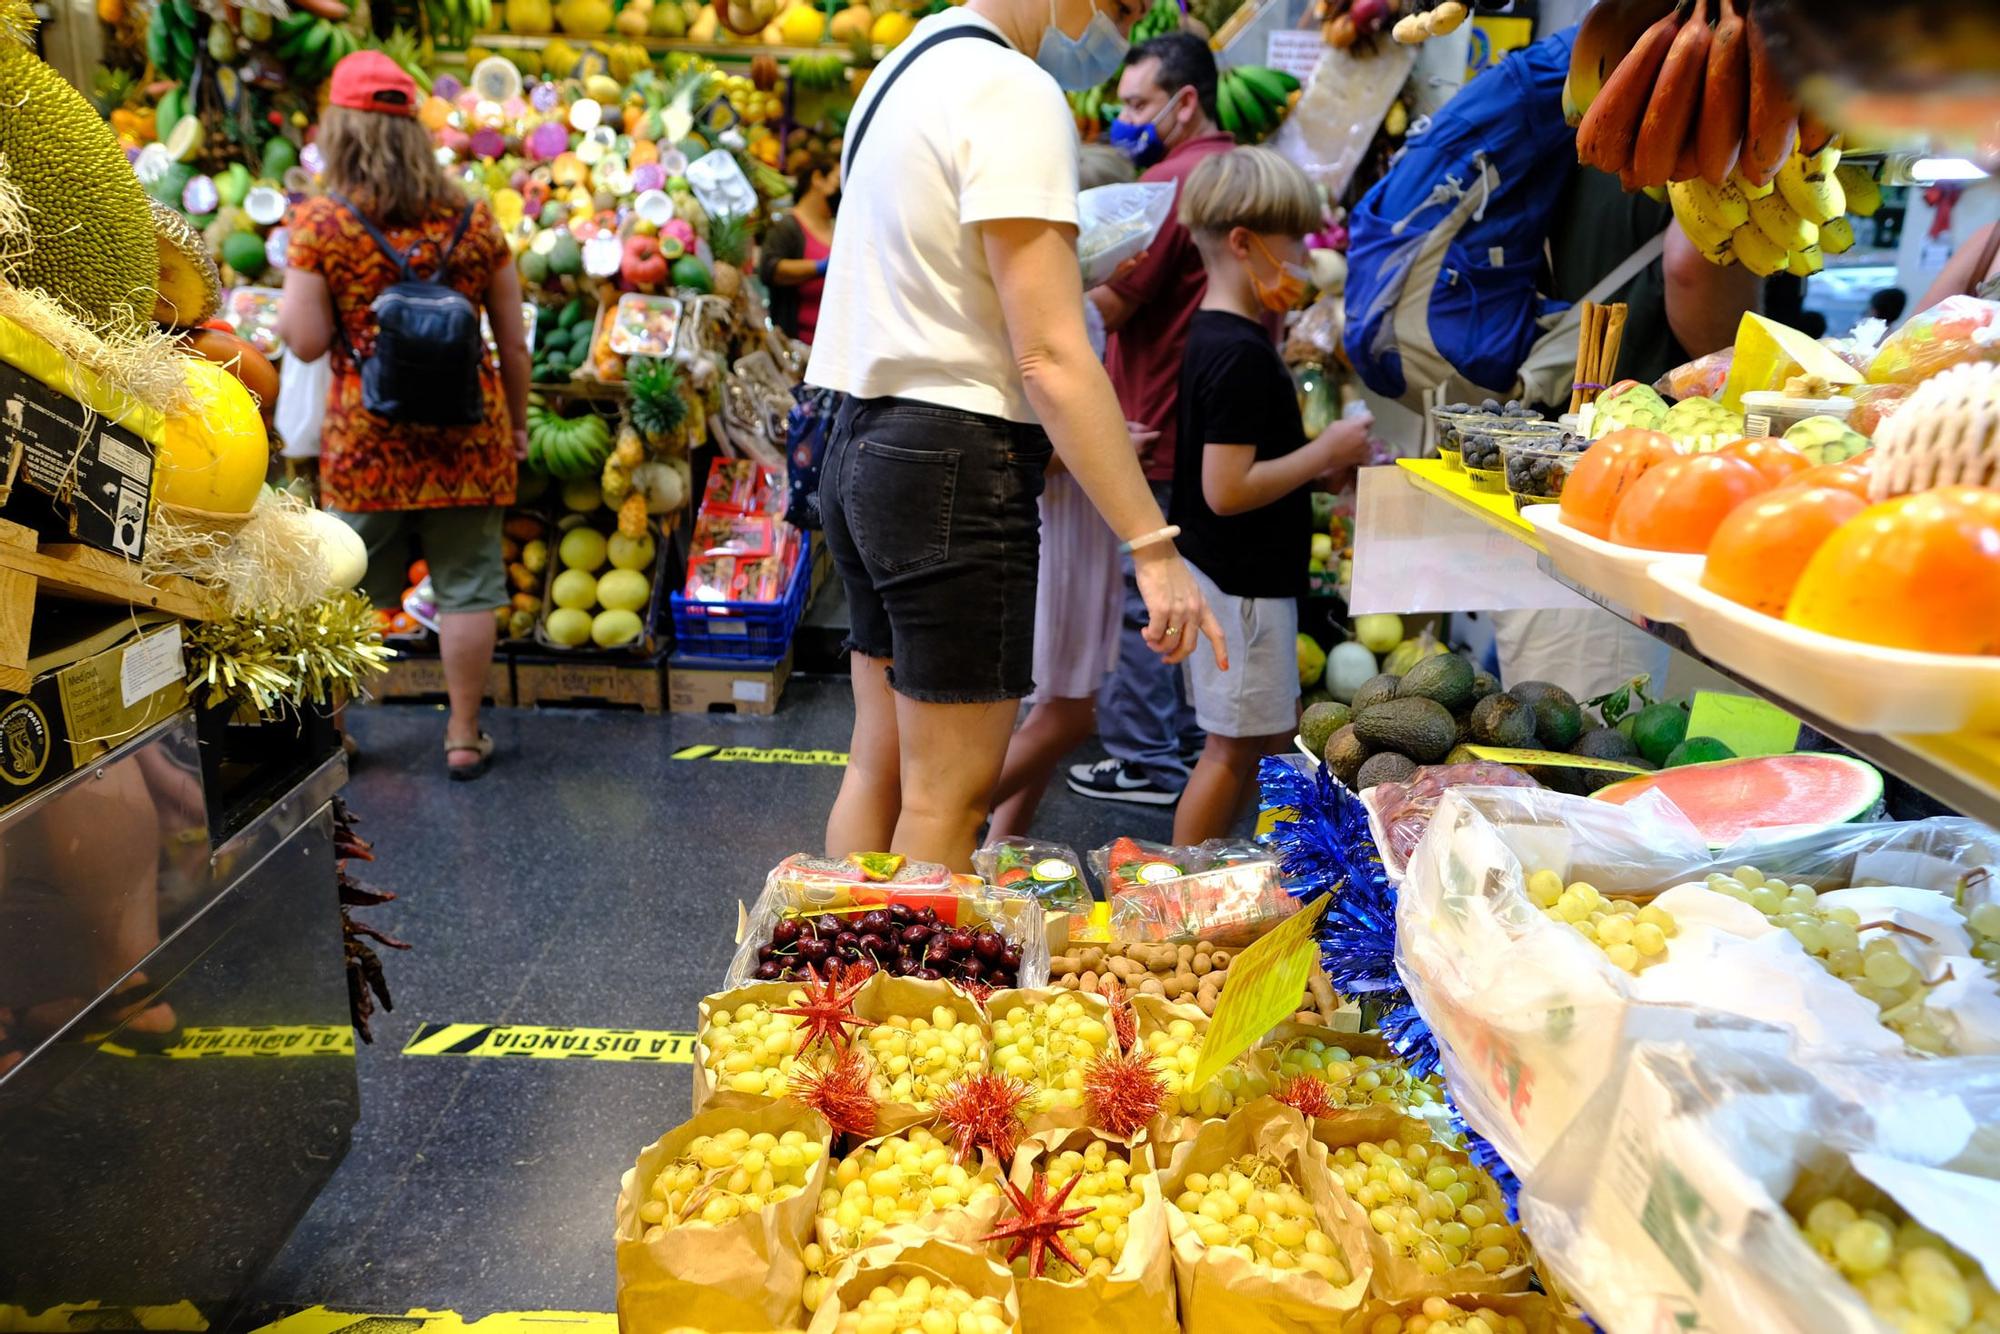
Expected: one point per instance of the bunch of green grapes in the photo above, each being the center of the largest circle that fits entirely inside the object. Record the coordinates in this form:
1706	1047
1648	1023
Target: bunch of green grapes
1432	1204
1631	937
1878	970
1358	1081
752	1049
819	1274
1439	1316
1983	921
1110	1191
917	1305
895	1181
1252	1206
1912	1278
1046	1044
1176	1050
916	1059
718	1177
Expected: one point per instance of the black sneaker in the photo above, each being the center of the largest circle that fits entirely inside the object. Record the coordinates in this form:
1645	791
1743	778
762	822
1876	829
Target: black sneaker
1112	780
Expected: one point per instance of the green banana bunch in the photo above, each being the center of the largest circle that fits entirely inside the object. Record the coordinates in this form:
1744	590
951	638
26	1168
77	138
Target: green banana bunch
1164	17
1095	106
1250	100
173	36
567	447
818	73
310	46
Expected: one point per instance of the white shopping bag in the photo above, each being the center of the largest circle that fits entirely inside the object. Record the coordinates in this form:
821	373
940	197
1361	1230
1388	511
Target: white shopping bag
302	389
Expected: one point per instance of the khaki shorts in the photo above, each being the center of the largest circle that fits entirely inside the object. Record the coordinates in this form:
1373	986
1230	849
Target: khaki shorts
461	545
1259	694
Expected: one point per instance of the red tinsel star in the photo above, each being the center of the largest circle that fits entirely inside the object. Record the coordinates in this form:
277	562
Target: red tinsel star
1124	1019
983	1111
829	1009
1040	1217
1124	1092
1309	1096
838	1092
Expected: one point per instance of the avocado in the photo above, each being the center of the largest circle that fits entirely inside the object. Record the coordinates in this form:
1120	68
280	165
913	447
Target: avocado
1602	743
1386	767
1502	720
1374	690
1317	695
1657	729
1345	753
1483	685
1320	722
1698	750
1446	678
1558	720
1422	729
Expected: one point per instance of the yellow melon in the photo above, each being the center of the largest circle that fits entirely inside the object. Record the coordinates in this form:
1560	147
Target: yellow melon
213	455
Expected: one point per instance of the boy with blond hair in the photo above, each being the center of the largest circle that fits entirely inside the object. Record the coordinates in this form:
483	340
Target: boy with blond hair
1243	472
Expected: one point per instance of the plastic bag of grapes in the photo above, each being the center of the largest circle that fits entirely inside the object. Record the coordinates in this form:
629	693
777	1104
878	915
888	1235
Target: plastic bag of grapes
712	1219
1127	1285
1501	1313
1299	1261
914	1282
1172	1034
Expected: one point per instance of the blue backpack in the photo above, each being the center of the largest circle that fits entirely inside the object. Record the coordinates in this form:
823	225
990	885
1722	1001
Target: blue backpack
1445	255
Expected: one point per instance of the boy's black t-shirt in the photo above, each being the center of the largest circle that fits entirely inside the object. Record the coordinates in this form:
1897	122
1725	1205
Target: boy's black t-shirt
1235	391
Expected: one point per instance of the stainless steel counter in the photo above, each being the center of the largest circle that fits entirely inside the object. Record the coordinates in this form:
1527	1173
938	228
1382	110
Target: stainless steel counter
176	1067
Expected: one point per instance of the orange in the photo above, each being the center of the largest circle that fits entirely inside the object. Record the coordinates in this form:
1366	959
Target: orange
1679	505
1917	572
1778	461
1851	476
1606	471
1757	554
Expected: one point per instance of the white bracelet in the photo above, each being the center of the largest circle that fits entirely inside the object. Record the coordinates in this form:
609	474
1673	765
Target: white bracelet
1167	534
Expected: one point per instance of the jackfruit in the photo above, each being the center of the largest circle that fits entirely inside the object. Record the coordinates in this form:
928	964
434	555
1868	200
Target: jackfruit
190	290
92	248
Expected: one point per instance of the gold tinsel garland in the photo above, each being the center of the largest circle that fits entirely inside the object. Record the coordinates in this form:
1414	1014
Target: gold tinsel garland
302	656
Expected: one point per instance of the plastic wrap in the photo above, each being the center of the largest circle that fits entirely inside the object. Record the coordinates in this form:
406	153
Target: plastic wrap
1047	872
1117	222
1398	813
1957	329
1223	891
1875	404
1701	378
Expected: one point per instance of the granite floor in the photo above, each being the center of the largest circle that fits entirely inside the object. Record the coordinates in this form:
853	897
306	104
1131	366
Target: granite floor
592	880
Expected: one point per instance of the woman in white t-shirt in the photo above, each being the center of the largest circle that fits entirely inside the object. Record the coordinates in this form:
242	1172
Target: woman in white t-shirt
953	320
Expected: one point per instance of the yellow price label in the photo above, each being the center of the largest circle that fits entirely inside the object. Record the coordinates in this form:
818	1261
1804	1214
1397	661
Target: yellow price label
1265	984
1554	759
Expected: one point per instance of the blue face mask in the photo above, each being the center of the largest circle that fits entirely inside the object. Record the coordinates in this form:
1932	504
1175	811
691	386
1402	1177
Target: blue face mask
1077	63
1141	142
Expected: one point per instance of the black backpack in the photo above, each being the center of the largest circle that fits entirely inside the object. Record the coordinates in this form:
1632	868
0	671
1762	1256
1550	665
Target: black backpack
428	342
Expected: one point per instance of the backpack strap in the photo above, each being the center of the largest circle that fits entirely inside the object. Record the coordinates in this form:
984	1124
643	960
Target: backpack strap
868	116
402	257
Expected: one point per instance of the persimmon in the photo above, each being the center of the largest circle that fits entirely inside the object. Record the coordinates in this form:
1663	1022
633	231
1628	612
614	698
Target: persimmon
1851	476
1606	472
1917	572
1778	461
1756	556
1679	505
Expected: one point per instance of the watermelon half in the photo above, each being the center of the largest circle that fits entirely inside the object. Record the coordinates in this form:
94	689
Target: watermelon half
1727	798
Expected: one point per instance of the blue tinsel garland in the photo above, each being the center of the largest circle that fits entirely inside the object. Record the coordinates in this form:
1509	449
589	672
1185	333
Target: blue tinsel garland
1328	850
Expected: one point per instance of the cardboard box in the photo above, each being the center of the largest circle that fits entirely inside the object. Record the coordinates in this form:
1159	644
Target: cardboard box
104	677
719	685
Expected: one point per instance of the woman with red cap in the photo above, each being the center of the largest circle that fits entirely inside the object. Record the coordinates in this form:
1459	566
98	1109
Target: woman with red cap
444	486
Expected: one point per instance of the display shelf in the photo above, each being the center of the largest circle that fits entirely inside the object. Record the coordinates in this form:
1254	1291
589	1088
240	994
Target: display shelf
1962	770
734	51
1437	478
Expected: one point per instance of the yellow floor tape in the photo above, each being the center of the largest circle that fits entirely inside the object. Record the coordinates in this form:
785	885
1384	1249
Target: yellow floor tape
547	1043
77	1316
196	1042
763	755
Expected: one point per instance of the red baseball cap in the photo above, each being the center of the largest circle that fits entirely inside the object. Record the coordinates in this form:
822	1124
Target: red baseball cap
370	81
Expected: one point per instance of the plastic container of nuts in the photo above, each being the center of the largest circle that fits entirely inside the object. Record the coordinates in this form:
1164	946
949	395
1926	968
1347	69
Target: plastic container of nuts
1536	469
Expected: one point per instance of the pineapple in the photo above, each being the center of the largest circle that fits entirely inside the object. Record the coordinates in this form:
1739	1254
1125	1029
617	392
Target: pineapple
729	242
615	482
632	516
657	405
630	451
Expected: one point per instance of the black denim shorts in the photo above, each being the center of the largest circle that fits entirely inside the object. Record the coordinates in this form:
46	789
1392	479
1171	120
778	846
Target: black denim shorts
931	519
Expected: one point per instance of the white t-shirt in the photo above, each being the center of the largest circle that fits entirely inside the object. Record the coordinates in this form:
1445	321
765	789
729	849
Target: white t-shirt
974	132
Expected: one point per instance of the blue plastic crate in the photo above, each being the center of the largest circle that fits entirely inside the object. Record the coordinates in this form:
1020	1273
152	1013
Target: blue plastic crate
744	630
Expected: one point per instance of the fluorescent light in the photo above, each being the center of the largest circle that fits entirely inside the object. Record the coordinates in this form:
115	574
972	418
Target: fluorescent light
1926	170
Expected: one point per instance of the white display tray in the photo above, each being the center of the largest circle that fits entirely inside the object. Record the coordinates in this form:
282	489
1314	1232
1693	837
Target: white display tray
1848	683
1615	573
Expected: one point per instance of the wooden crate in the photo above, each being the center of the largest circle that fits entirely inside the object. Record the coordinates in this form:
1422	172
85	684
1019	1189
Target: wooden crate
29	570
591	683
716	685
420	680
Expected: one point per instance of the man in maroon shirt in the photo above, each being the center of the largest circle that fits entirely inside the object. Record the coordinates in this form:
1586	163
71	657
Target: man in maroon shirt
1167	94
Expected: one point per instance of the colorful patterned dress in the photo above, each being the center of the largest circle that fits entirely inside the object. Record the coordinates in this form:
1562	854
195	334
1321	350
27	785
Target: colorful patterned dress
367	463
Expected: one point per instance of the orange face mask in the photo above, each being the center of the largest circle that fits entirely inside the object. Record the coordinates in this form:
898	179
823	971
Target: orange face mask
1283	292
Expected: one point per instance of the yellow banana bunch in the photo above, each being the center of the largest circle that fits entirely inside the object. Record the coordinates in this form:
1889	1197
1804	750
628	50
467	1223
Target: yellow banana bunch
1810	186
1863	195
1836	236
1774	217
1805	263
1758	252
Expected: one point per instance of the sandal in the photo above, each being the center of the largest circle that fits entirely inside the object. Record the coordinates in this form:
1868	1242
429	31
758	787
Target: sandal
465	773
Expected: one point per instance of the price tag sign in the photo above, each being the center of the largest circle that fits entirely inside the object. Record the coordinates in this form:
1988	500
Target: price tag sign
1744	723
1554	759
1265	983
1296	53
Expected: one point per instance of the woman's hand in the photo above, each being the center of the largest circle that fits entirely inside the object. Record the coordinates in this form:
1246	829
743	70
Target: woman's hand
521	444
1177	610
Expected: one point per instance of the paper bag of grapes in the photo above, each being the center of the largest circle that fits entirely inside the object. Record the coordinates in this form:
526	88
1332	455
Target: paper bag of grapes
1047	1038
1357	1079
713	1218
1262	1242
1494	1313
1126	1285
911	1178
743	1045
924	1035
1172	1035
1436	1223
923	1284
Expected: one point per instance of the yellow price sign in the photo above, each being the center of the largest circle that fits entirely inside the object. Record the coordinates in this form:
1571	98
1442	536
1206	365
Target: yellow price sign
1553	759
1265	983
